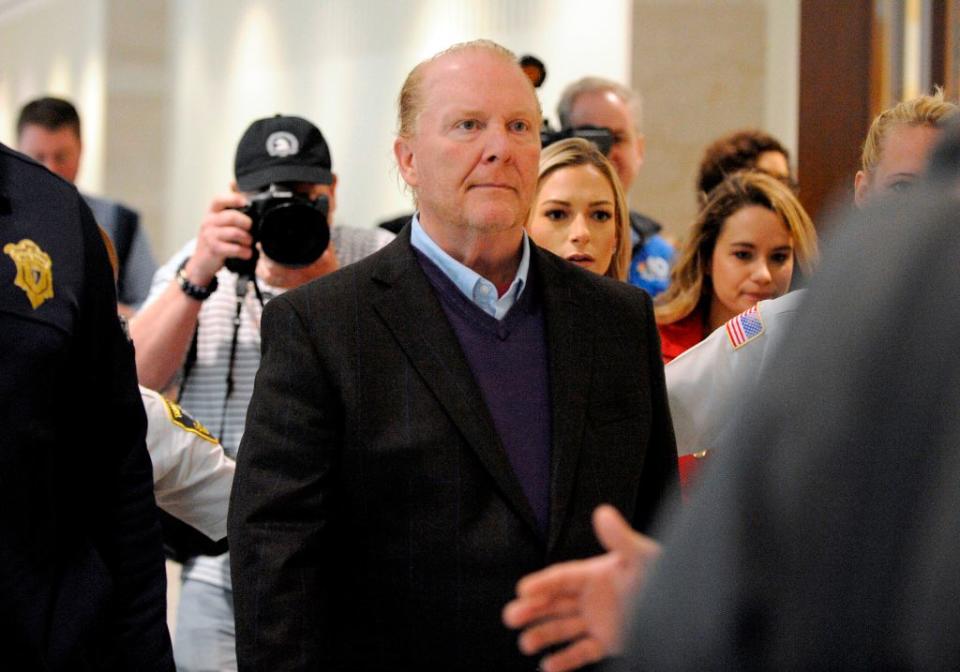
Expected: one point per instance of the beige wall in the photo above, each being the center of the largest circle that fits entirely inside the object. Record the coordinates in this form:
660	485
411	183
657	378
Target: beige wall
57	47
177	81
136	113
341	64
707	67
109	58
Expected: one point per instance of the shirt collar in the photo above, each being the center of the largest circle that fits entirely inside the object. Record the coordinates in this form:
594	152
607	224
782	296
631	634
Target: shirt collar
471	284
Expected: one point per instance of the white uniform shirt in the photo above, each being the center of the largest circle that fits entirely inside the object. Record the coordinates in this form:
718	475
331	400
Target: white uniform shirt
192	476
705	383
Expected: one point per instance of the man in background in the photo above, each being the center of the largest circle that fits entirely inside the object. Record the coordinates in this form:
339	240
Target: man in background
594	101
48	131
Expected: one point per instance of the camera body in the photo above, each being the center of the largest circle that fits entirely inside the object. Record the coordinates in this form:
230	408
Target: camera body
600	136
291	229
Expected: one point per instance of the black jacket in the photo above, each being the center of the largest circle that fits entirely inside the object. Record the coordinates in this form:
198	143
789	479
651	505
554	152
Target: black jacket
82	582
375	521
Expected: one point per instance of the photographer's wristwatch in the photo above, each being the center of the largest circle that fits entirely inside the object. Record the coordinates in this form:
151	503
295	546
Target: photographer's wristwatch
195	292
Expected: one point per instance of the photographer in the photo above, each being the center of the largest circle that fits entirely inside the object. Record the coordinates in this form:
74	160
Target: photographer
200	326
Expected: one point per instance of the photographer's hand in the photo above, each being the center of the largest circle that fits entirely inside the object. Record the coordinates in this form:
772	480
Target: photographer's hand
163	329
224	233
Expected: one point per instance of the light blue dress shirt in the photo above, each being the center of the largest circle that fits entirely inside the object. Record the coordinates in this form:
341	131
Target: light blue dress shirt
474	286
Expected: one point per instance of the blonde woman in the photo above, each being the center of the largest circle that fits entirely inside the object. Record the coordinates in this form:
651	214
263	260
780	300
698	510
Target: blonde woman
741	250
579	212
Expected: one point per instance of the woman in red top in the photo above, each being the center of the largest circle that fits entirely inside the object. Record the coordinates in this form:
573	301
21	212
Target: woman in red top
740	250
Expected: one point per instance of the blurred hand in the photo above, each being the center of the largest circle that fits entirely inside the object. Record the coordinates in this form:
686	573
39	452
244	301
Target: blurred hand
224	233
581	605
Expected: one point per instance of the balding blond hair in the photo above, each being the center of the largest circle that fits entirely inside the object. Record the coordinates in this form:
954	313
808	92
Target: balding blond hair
926	110
410	101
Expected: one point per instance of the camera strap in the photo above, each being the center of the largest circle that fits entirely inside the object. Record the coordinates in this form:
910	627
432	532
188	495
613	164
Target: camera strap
243	282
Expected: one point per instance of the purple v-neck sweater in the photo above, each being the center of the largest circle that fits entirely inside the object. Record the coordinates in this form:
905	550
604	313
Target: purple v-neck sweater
510	363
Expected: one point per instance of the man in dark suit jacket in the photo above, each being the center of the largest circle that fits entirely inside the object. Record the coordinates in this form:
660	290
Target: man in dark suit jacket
81	564
433	422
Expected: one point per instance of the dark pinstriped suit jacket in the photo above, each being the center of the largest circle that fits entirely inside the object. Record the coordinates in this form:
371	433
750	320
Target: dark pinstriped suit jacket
375	521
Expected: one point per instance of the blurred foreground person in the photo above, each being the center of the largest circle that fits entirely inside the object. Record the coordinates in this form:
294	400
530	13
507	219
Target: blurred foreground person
580	212
826	534
81	564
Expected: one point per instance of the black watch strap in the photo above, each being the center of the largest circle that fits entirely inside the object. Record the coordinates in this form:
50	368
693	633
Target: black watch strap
195	292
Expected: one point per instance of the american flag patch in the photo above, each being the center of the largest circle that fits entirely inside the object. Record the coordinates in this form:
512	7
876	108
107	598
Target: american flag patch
744	327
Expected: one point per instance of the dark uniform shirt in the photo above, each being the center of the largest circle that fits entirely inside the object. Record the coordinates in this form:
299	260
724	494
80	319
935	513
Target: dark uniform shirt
81	564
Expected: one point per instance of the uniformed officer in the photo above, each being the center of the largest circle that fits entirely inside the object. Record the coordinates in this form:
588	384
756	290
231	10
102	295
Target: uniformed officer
704	382
81	564
192	476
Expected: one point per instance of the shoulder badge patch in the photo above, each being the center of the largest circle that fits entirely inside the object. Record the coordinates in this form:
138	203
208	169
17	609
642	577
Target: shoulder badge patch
34	270
745	327
185	422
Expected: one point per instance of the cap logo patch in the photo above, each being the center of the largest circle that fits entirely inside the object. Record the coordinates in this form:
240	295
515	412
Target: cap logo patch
282	144
34	270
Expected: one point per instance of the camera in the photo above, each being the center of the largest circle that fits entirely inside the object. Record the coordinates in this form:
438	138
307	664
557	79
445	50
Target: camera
600	136
292	229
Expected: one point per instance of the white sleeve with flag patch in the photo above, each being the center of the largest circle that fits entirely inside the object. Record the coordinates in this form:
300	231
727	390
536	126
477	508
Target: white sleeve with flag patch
192	476
706	382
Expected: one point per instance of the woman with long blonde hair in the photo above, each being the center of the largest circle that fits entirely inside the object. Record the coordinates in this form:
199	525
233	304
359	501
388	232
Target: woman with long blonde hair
580	212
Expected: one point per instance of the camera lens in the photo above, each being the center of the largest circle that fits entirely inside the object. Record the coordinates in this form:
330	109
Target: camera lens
294	233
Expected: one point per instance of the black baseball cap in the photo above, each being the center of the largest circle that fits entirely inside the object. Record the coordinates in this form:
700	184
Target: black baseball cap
282	149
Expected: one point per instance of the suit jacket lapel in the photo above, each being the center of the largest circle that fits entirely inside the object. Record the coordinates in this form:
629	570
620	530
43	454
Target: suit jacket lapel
570	342
408	306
